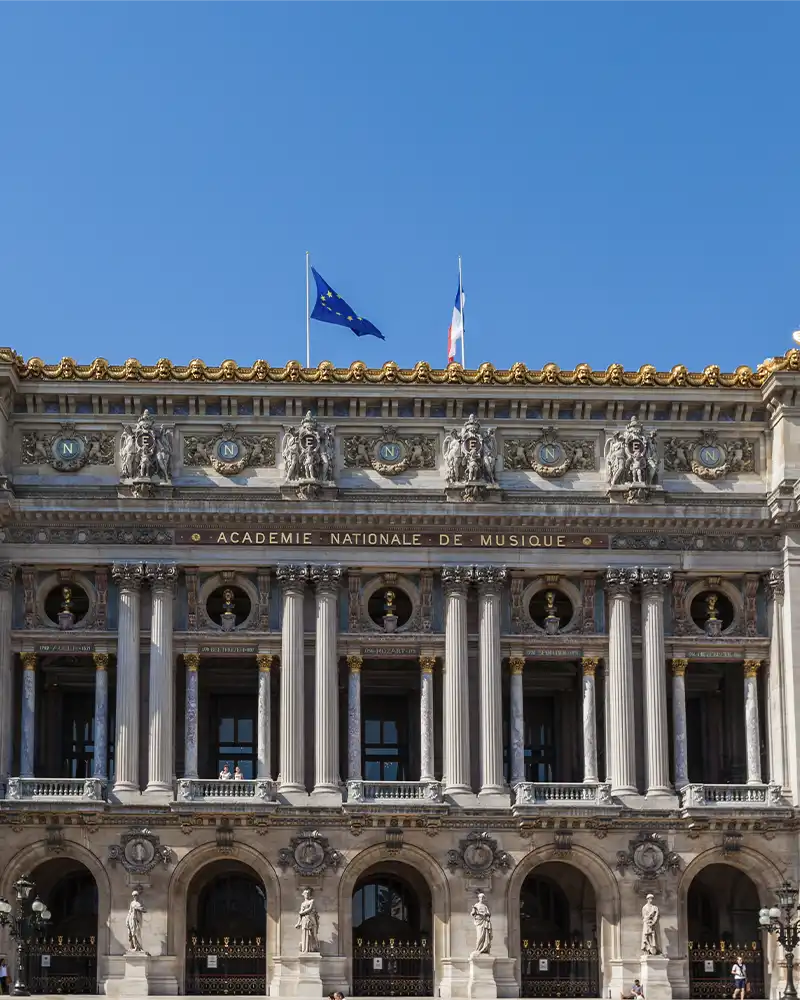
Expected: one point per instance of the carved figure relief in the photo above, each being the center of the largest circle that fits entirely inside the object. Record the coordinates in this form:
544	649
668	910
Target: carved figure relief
145	452
709	457
229	452
549	455
478	855
68	449
632	461
139	851
388	453
309	854
308	456
648	857
470	457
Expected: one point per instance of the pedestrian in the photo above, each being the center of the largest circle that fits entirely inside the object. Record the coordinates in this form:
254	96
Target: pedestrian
739	973
5	986
636	993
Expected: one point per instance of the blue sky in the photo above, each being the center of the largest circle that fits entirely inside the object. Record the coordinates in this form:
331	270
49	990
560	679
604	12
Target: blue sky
621	180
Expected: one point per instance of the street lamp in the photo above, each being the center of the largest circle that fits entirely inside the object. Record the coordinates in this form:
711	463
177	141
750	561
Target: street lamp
783	921
23	925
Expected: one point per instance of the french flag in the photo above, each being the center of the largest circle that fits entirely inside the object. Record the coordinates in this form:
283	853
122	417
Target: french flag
456	331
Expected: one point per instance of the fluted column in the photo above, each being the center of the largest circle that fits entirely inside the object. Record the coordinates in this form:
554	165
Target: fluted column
516	770
28	720
656	739
6	671
620	738
161	769
100	715
589	666
455	580
751	726
490	581
326	688
354	664
192	663
292	730
129	578
264	720
776	684
679	735
426	665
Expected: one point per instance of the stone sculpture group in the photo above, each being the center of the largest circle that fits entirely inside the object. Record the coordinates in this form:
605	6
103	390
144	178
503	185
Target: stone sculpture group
145	452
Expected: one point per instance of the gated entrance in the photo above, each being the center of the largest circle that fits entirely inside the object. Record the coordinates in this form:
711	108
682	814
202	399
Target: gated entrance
558	969
710	969
62	965
226	966
392	968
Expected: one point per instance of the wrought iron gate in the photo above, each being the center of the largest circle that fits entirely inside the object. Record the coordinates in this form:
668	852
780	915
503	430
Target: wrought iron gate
558	969
62	965
226	966
392	968
710	969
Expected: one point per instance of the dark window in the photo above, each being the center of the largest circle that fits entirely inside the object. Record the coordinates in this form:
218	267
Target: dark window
245	408
114	407
214	408
341	408
540	746
235	729
277	407
374	411
384	907
405	409
385	742
77	736
437	410
180	409
533	413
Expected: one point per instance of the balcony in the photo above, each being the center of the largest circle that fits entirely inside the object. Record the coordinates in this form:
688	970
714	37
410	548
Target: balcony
211	791
571	796
57	790
413	794
732	798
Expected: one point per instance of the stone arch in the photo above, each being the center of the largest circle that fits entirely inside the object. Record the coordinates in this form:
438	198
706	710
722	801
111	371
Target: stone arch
607	898
180	883
434	876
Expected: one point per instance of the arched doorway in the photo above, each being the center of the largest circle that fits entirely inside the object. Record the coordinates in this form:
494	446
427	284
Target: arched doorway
558	931
722	908
63	958
226	919
392	933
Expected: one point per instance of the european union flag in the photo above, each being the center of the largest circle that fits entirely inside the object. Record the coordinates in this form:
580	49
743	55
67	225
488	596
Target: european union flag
332	308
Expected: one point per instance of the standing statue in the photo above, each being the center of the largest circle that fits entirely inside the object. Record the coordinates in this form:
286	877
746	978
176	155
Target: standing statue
482	918
308	453
650	930
632	457
308	924
470	455
145	452
133	923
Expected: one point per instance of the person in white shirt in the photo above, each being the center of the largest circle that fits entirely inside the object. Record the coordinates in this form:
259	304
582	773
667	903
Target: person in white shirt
225	773
4	984
237	774
739	973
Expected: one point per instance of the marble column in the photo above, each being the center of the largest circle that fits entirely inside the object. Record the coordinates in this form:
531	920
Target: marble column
161	767
6	672
354	664
264	720
129	577
656	736
751	727
28	721
100	715
490	580
679	735
621	732
589	667
426	666
192	663
776	684
516	753
291	765
326	682
455	580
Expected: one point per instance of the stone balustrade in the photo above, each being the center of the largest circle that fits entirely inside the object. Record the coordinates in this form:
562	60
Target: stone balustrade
57	789
379	792
761	796
256	790
534	793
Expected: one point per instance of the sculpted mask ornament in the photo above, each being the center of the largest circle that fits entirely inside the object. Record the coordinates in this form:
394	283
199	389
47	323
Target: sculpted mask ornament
648	857
388	453
709	457
632	461
309	854
549	455
139	852
308	456
145	452
470	457
229	452
478	855
68	449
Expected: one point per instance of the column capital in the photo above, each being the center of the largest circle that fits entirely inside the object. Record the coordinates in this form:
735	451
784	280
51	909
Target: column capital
773	581
456	579
516	665
28	660
128	576
100	661
751	667
490	579
678	665
265	661
326	579
427	664
292	578
162	576
355	662
620	580
6	575
191	662
590	665
654	580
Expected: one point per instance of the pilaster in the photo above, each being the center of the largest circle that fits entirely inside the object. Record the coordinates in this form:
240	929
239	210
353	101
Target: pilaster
679	733
100	715
656	740
589	669
490	580
264	720
28	720
751	722
192	663
354	664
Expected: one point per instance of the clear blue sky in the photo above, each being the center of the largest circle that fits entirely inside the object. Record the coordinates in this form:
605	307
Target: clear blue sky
622	180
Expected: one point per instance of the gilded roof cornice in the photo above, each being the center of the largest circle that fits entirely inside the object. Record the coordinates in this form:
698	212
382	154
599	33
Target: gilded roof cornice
34	369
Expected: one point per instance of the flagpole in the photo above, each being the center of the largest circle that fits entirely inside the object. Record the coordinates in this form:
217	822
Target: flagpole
308	314
461	304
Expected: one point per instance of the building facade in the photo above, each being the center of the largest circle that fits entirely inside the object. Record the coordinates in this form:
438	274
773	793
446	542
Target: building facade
397	638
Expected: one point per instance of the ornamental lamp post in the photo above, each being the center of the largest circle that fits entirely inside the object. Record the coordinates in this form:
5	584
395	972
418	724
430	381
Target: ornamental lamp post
784	922
23	924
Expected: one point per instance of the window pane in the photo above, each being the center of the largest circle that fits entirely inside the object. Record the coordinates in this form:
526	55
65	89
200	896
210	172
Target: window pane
246	731
372	770
246	767
390	731
226	730
391	771
372	731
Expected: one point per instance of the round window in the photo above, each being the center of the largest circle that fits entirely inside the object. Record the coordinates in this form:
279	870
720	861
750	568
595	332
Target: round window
64	601
389	603
228	606
550	609
711	606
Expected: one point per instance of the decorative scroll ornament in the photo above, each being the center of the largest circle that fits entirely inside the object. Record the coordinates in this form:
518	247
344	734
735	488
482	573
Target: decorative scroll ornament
309	854
478	855
549	455
308	456
139	851
632	461
68	449
229	452
648	857
708	457
145	453
388	453
470	457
